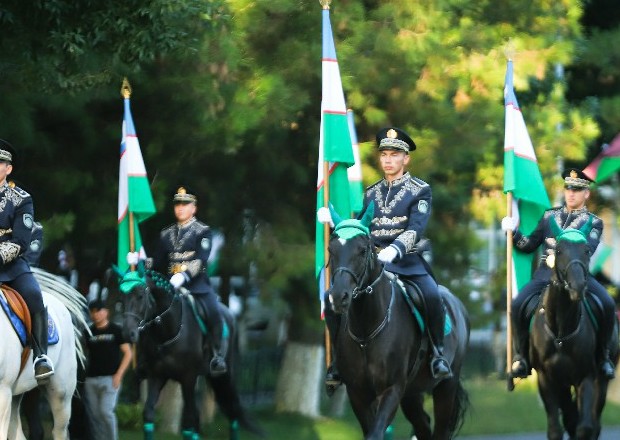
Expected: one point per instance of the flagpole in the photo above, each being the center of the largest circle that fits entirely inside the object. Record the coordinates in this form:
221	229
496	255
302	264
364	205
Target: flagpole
326	278
509	275
126	94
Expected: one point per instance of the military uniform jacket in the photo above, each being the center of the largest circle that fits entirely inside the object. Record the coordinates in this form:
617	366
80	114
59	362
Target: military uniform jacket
402	210
185	249
16	222
543	235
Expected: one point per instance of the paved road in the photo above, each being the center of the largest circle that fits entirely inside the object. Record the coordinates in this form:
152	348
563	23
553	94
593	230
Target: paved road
608	433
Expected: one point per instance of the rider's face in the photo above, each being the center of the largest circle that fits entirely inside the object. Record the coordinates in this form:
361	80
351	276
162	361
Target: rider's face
393	163
576	198
184	211
5	170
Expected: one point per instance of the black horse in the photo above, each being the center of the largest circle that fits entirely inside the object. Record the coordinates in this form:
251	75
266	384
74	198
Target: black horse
172	346
382	349
563	342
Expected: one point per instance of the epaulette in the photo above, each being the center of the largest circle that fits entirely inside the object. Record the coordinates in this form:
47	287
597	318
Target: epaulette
419	181
374	184
201	226
22	193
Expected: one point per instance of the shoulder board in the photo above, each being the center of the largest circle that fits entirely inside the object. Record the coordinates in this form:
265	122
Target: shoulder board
200	225
374	184
419	182
22	193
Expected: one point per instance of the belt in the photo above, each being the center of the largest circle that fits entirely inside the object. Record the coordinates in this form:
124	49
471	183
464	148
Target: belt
177	268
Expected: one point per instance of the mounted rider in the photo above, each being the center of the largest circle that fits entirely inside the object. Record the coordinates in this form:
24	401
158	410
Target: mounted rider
182	253
573	214
402	210
16	223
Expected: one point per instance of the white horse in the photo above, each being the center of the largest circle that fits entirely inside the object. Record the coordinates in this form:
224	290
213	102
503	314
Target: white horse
66	307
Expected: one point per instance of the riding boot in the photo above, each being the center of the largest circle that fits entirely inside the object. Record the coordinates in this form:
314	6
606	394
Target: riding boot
520	341
440	368
43	367
606	365
220	349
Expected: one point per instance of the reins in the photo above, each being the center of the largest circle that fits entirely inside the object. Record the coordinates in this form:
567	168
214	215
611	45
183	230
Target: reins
359	290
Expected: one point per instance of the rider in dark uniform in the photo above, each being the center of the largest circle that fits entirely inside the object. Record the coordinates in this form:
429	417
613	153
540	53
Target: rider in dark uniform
183	251
16	223
573	214
402	210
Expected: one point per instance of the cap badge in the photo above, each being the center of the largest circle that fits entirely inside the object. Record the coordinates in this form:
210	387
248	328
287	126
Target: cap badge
573	174
181	191
391	133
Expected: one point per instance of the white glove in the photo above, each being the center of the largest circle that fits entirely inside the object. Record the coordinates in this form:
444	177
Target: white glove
324	216
509	224
132	258
388	254
177	280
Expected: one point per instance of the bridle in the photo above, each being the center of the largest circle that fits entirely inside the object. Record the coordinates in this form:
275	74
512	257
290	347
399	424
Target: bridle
562	275
358	280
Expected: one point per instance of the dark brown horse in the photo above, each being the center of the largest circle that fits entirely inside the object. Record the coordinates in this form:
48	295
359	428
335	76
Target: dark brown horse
382	350
563	343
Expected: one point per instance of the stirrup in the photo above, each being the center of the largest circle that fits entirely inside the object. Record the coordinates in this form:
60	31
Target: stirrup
43	368
217	367
440	369
332	380
520	368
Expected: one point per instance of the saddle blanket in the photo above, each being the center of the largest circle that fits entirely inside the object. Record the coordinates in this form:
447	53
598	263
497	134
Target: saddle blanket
20	328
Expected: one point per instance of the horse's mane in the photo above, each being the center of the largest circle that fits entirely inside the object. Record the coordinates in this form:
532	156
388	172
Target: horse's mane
73	300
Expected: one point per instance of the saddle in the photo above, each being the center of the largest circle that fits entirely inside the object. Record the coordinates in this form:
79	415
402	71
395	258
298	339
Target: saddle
413	295
19	316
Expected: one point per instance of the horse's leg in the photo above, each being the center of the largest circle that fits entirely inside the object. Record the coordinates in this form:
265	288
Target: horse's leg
60	405
548	394
568	409
6	397
386	406
412	405
190	420
362	406
154	386
15	424
600	393
31	409
445	408
586	405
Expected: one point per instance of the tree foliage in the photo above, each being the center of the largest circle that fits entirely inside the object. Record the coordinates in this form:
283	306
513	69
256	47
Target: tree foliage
227	99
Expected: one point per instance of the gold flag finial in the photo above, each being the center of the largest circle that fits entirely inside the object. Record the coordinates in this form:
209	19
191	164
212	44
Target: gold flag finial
125	89
325	3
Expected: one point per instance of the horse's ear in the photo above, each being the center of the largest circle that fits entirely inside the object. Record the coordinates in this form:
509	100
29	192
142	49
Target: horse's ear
369	214
587	227
555	228
335	216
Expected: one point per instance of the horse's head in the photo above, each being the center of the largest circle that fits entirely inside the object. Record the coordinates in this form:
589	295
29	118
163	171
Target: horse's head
351	258
572	258
139	291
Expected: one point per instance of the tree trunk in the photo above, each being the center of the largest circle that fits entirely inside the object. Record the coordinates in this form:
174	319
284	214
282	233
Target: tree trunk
300	379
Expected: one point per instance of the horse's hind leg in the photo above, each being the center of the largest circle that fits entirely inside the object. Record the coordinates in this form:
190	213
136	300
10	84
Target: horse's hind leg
15	424
190	420
412	405
60	404
446	408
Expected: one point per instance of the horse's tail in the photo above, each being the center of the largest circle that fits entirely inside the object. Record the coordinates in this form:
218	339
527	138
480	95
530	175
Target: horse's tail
461	407
229	403
73	300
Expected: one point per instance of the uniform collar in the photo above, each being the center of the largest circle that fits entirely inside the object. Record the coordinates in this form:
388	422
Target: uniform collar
187	223
582	210
4	186
398	181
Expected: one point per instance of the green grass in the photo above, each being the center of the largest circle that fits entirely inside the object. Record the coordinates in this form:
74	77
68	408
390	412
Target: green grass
493	411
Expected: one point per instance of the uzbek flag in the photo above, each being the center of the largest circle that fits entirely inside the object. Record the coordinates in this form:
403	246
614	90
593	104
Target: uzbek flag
354	173
134	192
522	178
335	146
606	164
